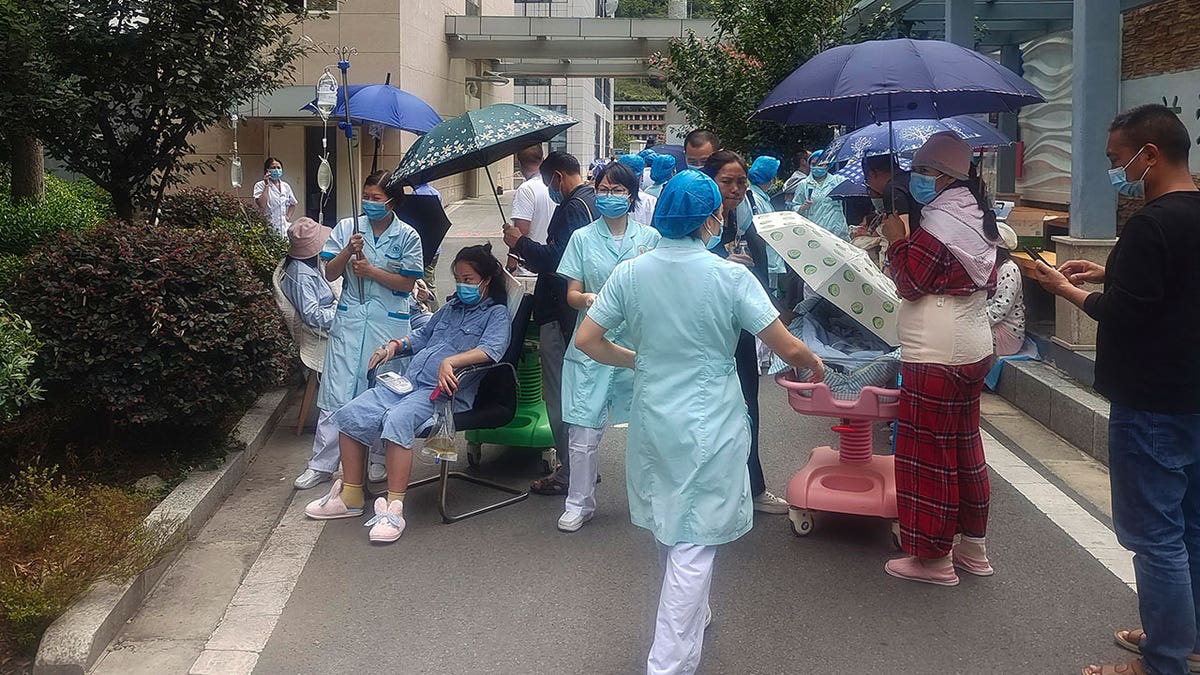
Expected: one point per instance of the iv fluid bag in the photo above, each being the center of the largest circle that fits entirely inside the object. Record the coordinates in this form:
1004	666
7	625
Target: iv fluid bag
324	175
235	172
327	89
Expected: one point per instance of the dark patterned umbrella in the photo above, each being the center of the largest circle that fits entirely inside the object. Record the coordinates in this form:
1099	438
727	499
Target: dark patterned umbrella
477	138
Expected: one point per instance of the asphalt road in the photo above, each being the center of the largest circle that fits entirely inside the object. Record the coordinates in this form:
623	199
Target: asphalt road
507	593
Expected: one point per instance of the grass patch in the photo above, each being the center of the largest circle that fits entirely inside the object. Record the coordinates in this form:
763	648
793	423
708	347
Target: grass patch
57	538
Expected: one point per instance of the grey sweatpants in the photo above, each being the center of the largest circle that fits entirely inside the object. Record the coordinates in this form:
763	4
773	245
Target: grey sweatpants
551	351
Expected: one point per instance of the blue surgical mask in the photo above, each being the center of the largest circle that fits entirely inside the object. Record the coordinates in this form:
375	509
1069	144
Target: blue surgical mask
612	206
820	172
276	173
1124	186
374	210
556	194
923	188
715	240
469	293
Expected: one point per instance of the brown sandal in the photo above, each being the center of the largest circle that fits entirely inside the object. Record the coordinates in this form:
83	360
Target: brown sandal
1131	640
1131	668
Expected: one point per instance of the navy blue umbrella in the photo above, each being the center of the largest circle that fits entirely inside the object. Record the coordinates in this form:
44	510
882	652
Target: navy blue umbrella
675	151
907	136
384	105
889	80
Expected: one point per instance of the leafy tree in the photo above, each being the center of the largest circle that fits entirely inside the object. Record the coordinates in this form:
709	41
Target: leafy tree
719	82
621	137
121	86
657	9
639	89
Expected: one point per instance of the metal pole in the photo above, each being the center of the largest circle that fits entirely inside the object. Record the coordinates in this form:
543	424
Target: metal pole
344	66
892	153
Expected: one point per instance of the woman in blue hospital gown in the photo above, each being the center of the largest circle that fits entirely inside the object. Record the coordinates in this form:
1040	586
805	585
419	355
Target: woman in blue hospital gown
689	435
472	328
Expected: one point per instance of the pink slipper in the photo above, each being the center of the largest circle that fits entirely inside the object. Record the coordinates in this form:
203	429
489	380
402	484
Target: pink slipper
980	567
388	522
939	572
331	506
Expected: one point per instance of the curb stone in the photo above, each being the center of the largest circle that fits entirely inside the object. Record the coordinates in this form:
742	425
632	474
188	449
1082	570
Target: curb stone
75	640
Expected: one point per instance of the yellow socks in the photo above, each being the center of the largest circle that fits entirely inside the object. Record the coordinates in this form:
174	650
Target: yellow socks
395	496
352	495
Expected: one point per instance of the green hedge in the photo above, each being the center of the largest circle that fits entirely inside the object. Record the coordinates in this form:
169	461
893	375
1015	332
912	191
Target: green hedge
68	207
152	325
18	348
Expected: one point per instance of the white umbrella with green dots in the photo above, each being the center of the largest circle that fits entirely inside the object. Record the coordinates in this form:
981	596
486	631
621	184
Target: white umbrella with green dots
840	272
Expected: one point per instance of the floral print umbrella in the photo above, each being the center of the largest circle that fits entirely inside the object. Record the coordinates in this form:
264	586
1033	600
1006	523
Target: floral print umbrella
477	138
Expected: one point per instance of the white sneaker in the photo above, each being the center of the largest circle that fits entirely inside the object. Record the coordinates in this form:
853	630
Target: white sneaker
571	522
310	478
376	473
388	522
769	503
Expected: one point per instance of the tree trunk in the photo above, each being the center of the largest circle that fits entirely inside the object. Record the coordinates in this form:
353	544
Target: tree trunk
123	203
28	169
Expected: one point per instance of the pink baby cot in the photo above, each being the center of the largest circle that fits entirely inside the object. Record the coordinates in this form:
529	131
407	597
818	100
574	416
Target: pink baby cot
850	479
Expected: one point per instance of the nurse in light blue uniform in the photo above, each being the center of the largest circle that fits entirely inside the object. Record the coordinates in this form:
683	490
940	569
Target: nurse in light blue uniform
689	436
595	395
812	198
662	167
391	264
762	175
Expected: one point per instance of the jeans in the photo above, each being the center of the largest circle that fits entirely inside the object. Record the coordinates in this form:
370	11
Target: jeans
1154	460
746	357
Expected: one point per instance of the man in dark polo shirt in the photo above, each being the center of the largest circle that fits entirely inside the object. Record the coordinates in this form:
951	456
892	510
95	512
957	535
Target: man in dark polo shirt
576	207
1148	367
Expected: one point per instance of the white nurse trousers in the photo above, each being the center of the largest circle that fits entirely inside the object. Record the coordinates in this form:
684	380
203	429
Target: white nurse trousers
682	606
585	466
326	454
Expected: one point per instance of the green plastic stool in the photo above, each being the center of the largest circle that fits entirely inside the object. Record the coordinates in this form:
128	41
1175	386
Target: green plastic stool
530	426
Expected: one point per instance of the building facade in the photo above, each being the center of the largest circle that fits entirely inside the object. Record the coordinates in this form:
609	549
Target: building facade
587	99
644	120
397	40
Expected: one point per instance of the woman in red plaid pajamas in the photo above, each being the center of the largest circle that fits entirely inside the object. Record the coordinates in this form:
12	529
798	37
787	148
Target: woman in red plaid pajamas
943	271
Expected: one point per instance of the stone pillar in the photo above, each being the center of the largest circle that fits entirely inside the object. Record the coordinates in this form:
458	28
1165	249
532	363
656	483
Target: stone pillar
1095	92
1006	174
1073	328
960	22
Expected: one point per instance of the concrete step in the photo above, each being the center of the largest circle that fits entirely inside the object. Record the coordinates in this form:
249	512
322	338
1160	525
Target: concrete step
1059	403
1076	473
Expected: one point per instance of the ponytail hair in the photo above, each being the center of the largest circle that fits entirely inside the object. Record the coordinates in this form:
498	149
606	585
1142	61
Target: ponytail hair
480	259
978	188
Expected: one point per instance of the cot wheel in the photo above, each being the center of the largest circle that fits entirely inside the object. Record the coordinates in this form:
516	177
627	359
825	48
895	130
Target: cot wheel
474	454
802	522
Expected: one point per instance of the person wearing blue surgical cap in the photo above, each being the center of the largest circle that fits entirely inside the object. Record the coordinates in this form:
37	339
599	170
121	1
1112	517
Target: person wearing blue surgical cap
813	201
662	167
644	211
683	309
762	176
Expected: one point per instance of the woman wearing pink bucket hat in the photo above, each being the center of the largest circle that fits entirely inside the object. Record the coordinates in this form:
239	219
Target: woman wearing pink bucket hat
315	302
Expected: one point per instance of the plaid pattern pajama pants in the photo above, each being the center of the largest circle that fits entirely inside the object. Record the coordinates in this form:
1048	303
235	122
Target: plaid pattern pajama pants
941	475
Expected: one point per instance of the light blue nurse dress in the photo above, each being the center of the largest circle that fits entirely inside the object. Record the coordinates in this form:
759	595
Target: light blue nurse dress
362	324
689	436
590	390
825	210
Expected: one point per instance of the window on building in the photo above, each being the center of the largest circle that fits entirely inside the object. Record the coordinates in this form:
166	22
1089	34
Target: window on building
472	8
300	6
607	93
531	82
596	137
598	89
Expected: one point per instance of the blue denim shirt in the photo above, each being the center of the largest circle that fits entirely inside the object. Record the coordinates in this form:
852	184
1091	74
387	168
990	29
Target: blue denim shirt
454	329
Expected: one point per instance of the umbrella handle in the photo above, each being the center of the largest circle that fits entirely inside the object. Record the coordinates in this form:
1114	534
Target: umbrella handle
488	170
